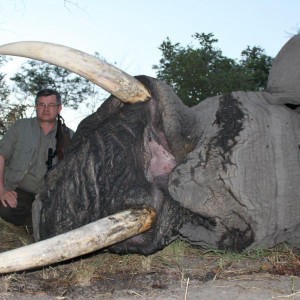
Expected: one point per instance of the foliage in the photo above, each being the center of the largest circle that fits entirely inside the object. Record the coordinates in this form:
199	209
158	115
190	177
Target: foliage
195	73
199	73
6	109
256	65
34	76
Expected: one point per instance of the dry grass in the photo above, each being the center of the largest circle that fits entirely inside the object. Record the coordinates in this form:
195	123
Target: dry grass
12	237
179	260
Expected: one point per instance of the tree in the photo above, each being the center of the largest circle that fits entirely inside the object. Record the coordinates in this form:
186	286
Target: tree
8	112
256	65
199	73
34	76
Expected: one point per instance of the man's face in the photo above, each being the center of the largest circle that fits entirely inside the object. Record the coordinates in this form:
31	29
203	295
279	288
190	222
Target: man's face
47	108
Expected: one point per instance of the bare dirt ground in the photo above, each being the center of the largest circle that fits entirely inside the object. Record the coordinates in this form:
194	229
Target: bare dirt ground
177	272
251	287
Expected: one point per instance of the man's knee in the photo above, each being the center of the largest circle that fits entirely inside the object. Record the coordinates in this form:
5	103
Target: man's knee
7	214
20	214
16	216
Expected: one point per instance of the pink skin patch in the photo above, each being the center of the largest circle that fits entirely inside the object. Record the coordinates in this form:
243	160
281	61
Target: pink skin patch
162	162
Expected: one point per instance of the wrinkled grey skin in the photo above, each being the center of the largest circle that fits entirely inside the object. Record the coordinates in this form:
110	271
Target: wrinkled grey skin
120	158
244	172
223	174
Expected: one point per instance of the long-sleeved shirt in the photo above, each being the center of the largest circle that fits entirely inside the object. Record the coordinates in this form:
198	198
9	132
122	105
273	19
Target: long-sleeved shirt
25	149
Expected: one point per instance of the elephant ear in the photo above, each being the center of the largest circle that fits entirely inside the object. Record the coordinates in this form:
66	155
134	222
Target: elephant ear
284	77
243	176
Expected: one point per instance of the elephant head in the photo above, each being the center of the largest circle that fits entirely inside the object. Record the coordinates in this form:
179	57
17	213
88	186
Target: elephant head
222	174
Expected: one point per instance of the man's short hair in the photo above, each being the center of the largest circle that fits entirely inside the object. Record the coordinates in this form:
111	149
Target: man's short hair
48	92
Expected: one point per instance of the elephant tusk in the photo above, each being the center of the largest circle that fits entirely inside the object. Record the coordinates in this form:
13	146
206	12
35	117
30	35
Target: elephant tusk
86	239
123	86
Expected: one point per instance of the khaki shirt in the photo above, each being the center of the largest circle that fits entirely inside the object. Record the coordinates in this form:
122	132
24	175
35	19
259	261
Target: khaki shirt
25	148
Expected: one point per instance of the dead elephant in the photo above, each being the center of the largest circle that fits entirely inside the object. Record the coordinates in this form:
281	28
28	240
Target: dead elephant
222	174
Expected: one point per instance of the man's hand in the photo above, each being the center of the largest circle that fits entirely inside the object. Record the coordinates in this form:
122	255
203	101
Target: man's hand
8	198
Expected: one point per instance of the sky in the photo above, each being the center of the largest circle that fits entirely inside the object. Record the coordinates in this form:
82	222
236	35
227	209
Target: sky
129	32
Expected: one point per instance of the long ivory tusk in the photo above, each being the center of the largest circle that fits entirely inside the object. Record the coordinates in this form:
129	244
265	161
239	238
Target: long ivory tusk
91	237
113	80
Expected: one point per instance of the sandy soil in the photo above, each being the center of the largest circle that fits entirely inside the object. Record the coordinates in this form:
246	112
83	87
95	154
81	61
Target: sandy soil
152	285
260	286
